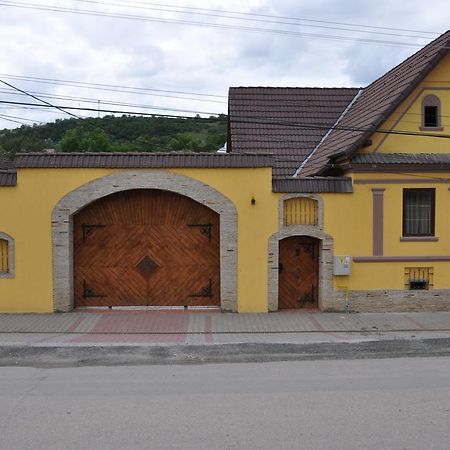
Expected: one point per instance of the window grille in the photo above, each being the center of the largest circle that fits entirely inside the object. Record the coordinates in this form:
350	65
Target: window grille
4	256
418	212
300	211
418	278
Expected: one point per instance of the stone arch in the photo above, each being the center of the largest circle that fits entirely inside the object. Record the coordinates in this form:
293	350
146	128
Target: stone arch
71	203
326	251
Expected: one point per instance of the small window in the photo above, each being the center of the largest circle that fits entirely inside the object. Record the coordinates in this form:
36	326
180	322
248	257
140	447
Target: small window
6	256
300	211
431	107
430	117
418	212
418	278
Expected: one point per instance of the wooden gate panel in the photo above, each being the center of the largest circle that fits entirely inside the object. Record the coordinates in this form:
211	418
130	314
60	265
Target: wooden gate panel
105	287
147	247
298	273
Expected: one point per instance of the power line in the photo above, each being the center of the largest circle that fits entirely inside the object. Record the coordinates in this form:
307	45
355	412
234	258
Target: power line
113	88
21	118
255	121
223	15
38	99
340	128
286	33
50	105
168	108
36	108
299	19
57	82
109	102
11	120
111	111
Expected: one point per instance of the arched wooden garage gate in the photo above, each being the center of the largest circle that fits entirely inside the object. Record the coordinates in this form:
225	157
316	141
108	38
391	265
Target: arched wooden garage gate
146	247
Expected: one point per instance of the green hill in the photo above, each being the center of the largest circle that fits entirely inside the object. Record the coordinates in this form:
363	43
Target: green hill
118	134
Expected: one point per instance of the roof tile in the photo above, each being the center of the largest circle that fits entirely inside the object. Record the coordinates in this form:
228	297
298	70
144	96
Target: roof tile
141	160
283	121
376	103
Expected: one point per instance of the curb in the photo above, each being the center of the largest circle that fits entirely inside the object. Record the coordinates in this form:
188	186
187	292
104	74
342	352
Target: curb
71	356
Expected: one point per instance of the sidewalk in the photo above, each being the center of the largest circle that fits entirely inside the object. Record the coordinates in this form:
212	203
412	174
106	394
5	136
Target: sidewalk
141	327
132	337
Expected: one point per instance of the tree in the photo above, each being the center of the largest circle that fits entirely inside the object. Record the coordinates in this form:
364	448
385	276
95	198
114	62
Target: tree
96	141
78	140
70	141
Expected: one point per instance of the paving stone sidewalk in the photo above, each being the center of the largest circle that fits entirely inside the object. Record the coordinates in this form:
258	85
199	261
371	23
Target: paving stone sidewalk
127	327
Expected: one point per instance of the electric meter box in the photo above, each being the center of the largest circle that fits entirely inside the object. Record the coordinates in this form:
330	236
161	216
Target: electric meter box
342	265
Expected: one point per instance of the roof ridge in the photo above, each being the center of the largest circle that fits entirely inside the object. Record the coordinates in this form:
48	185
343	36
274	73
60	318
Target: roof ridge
386	93
296	87
205	154
421	50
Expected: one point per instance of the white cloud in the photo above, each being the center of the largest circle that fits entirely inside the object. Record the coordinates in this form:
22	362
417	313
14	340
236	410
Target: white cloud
200	59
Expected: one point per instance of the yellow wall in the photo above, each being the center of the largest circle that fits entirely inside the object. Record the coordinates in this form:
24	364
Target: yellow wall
25	214
407	117
358	211
26	210
348	219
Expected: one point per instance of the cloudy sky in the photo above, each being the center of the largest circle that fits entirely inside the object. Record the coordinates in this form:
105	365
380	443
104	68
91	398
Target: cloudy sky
180	56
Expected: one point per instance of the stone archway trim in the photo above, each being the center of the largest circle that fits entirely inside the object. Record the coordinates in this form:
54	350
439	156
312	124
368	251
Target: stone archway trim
326	251
325	262
62	226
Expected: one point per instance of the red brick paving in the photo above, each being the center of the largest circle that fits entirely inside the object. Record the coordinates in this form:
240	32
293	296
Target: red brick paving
155	322
128	338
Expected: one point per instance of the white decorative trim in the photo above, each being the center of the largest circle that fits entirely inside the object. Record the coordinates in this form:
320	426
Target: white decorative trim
297	172
11	253
62	226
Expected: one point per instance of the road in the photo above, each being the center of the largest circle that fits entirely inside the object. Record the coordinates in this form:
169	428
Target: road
351	404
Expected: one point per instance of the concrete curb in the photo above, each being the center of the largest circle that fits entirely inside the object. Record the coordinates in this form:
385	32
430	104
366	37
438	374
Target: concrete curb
71	356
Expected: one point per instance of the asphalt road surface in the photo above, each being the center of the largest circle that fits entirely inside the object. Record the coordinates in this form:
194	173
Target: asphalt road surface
351	404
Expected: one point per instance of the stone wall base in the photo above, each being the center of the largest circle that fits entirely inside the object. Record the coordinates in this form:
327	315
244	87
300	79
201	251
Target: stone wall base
389	301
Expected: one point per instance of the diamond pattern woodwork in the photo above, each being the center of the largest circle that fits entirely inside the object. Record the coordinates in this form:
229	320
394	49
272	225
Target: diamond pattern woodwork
147	253
147	266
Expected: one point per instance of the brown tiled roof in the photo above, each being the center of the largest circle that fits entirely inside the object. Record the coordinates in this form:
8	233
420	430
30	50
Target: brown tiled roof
141	160
6	163
374	162
376	103
312	184
8	178
401	158
288	122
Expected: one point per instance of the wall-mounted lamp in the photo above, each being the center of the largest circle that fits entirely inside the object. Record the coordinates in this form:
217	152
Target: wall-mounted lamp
253	201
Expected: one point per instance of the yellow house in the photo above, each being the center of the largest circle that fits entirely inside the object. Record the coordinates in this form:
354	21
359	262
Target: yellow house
326	198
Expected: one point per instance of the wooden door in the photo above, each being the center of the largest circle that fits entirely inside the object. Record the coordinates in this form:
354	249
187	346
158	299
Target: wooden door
146	247
298	273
